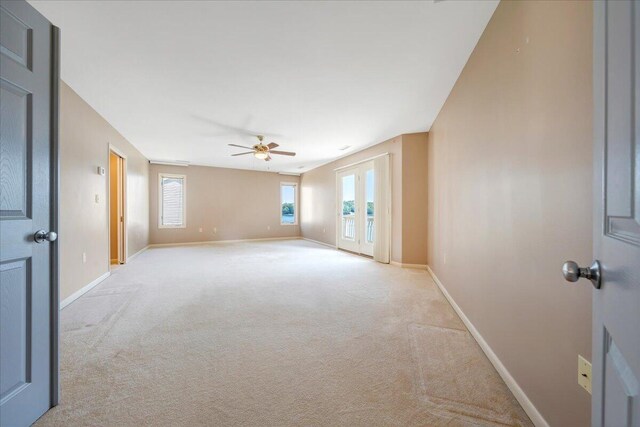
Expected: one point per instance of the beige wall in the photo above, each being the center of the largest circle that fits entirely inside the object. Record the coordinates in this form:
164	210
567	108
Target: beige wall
510	197
414	198
318	220
84	145
240	204
408	205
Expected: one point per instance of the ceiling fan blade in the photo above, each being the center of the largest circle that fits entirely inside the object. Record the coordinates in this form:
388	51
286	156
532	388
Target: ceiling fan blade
282	153
268	159
241	146
272	145
242	154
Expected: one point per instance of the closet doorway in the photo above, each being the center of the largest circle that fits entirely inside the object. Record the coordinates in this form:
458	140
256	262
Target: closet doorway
117	207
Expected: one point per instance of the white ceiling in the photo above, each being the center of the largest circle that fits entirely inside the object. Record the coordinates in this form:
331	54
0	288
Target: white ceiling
180	80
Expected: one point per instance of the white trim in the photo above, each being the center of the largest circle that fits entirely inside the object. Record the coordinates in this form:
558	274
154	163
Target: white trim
117	151
296	203
404	265
169	163
137	253
533	413
161	196
209	242
368	159
77	294
319	242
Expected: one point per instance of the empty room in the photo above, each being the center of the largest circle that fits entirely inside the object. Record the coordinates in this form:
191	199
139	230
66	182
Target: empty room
319	213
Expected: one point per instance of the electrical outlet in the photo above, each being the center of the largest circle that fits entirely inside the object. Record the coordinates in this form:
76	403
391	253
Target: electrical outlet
584	373
84	257
200	230
324	230
97	198
215	230
268	227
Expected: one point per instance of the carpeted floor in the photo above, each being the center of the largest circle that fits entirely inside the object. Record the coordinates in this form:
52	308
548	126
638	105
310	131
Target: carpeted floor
278	333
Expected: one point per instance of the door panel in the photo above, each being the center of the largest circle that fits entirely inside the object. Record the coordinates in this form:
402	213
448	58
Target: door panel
15	289
347	208
27	373
367	184
616	341
356	191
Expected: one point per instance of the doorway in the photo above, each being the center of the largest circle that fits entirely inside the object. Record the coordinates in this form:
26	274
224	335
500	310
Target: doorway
117	208
356	208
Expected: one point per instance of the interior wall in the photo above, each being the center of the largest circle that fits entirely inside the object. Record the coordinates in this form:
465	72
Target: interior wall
84	216
414	198
510	194
318	196
226	204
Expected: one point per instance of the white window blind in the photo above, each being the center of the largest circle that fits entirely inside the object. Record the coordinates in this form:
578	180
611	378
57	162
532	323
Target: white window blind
172	200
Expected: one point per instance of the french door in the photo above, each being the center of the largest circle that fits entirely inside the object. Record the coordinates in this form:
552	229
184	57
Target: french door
356	209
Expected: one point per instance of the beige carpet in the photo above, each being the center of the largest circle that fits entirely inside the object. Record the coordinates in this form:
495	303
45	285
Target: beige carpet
281	333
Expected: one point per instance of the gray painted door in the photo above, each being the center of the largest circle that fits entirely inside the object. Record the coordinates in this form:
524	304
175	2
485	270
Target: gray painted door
28	343
616	306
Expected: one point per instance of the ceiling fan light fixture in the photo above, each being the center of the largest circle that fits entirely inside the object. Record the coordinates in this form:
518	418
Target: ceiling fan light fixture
261	155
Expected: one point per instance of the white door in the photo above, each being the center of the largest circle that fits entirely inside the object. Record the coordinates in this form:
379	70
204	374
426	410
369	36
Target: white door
616	305
367	180
356	210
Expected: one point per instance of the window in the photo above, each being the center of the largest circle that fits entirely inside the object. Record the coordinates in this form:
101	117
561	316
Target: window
173	201
288	203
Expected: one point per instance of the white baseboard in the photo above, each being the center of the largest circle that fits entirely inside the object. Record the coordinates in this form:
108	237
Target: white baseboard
129	258
209	242
77	294
533	413
319	242
404	265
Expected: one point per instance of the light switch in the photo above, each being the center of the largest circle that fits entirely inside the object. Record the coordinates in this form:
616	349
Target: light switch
97	198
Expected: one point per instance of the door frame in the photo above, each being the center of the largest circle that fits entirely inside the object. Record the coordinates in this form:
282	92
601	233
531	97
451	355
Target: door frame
125	256
55	217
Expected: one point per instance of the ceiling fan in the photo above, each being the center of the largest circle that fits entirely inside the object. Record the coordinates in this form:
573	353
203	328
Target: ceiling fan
261	151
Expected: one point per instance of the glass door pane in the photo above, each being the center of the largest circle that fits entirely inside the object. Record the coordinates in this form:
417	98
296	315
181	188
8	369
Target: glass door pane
349	207
369	191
